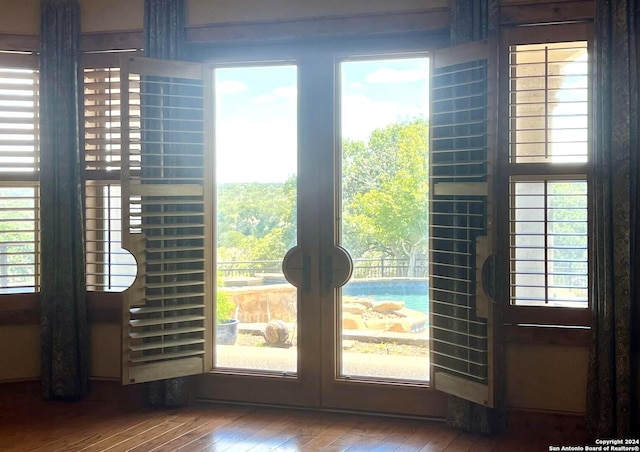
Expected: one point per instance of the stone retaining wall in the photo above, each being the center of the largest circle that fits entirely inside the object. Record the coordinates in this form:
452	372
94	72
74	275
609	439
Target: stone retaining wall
261	304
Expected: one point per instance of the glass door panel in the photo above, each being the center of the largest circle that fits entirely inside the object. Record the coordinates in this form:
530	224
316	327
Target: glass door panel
256	186
383	330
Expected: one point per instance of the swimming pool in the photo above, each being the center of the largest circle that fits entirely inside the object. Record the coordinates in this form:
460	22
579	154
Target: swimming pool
414	292
417	302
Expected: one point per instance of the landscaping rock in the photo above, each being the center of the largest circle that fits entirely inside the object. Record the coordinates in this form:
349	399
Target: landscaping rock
353	308
361	301
388	306
352	322
396	325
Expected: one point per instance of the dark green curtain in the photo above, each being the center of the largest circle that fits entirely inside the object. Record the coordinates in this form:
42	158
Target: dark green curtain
612	399
164	29
64	334
164	32
474	20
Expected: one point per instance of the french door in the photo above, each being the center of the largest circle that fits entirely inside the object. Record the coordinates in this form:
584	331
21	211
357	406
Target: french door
309	216
302	134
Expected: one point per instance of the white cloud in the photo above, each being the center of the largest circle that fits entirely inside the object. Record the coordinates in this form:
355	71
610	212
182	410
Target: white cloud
361	115
231	87
389	75
289	92
281	92
266	154
264	98
356	85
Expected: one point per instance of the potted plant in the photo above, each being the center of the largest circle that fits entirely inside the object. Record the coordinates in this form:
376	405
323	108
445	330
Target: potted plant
226	324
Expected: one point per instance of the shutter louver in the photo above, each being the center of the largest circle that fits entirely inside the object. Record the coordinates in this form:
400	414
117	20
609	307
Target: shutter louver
166	203
459	223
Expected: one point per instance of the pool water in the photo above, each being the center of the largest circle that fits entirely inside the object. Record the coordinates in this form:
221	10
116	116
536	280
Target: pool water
414	292
417	302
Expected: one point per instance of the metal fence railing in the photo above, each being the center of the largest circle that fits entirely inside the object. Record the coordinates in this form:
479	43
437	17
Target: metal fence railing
390	268
363	268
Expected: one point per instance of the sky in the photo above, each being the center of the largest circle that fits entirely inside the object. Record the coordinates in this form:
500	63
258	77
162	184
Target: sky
256	112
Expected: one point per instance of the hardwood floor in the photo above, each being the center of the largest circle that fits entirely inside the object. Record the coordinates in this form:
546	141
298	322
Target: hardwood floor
27	423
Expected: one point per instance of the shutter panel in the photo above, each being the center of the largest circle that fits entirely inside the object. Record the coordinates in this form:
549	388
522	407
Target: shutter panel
102	118
19	165
166	216
460	209
19	103
108	267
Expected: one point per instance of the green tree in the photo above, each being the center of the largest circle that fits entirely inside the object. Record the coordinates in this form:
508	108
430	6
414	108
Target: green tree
567	216
385	191
256	221
17	236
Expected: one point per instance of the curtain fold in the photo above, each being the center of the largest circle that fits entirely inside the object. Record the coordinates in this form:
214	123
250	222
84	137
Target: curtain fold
474	20
468	20
64	333
164	37
164	29
612	381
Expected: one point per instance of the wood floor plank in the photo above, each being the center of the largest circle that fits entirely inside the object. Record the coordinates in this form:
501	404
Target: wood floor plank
372	435
93	429
329	435
229	434
401	431
125	443
430	437
441	440
263	435
141	425
276	435
209	419
28	423
183	423
307	427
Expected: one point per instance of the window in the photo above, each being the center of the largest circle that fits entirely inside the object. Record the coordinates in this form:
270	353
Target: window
548	172
19	191
108	266
549	242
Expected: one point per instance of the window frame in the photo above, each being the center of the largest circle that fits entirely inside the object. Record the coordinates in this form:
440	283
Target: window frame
537	316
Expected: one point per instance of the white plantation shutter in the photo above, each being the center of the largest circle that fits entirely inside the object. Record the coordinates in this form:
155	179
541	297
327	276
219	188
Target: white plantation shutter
461	238
102	118
19	165
549	173
108	266
18	113
19	237
166	220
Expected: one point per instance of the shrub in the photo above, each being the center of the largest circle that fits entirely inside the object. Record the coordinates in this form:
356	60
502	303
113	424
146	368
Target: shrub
225	307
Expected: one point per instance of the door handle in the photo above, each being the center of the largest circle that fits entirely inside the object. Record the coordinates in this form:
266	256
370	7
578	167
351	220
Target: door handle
296	267
337	268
